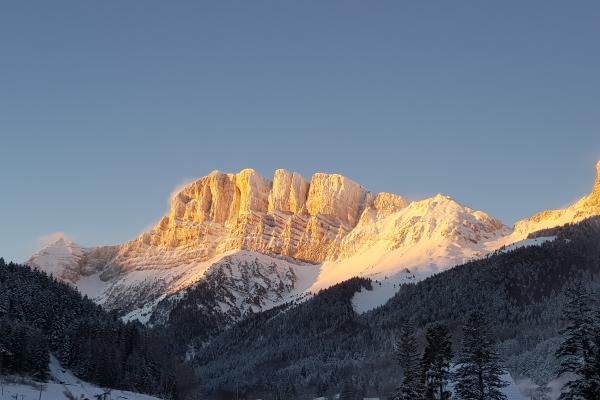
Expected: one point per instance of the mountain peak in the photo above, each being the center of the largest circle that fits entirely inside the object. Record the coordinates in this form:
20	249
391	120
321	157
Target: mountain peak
442	197
59	241
58	258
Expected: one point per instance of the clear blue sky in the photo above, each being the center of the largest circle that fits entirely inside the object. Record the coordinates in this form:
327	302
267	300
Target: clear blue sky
106	106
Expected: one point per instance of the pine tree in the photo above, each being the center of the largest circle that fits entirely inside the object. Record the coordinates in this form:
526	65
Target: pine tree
589	386
39	355
435	363
479	372
407	357
578	350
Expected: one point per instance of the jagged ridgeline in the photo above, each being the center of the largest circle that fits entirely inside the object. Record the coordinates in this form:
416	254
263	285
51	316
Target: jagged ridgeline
322	346
237	244
316	232
39	315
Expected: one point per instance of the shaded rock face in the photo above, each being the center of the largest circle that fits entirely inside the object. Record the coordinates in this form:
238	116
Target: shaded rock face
287	216
69	261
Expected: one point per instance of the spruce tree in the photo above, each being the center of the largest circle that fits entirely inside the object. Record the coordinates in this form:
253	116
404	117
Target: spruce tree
588	387
479	372
435	363
578	351
407	357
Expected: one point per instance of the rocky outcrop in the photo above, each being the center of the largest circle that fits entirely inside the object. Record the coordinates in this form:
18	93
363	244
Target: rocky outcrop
289	192
337	199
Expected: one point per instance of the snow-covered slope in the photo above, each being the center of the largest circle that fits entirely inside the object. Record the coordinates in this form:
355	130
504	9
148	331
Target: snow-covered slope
586	207
61	383
535	241
413	242
241	282
250	230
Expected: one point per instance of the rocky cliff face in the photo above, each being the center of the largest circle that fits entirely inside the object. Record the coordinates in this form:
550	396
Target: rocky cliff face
288	216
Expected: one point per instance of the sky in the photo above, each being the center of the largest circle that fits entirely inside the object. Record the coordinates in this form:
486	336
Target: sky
107	106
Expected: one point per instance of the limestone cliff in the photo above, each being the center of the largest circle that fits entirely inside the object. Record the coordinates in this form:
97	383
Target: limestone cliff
288	216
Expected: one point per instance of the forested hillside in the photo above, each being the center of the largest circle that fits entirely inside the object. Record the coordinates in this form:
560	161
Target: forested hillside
322	346
39	315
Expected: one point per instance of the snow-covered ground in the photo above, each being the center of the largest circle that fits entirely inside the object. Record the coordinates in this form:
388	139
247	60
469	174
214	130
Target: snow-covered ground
512	392
383	290
387	283
61	382
527	242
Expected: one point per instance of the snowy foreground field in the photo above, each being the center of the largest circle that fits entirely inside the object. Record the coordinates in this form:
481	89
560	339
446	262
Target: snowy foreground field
63	382
60	381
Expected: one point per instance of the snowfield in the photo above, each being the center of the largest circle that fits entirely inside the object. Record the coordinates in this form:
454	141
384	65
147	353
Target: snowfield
60	381
538	241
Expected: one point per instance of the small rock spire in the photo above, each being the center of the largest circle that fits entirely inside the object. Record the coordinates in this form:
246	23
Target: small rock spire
597	184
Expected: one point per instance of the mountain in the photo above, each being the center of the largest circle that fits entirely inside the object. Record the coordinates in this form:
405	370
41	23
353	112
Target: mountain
312	278
319	232
257	243
322	345
61	259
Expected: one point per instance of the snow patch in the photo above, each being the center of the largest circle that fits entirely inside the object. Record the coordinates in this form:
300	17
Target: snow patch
538	241
383	290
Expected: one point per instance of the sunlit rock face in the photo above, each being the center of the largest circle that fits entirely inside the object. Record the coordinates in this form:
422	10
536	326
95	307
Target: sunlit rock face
325	219
289	192
586	207
288	216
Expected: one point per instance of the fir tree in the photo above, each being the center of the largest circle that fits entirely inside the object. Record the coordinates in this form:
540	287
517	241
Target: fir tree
588	387
436	363
578	351
407	357
592	389
479	372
